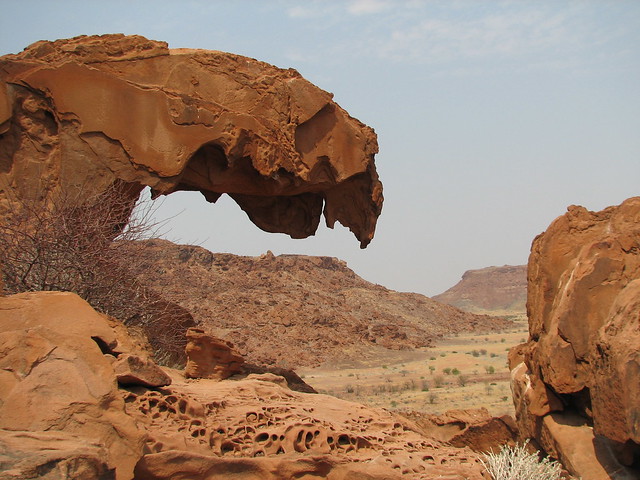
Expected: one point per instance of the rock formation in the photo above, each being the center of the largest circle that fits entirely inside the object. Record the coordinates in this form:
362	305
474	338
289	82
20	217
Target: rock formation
575	382
498	290
210	357
78	114
58	387
64	416
296	310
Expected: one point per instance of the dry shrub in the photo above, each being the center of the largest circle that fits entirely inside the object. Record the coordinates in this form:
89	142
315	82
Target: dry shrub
516	463
89	243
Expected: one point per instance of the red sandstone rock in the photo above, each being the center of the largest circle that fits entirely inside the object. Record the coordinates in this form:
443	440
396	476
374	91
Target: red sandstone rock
583	354
62	415
209	429
475	428
210	357
136	370
87	110
55	378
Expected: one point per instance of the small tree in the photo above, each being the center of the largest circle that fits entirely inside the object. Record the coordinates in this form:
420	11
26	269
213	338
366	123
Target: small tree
462	380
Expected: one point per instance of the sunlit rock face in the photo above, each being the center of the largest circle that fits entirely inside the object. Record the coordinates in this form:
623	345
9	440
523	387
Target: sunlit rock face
83	112
581	364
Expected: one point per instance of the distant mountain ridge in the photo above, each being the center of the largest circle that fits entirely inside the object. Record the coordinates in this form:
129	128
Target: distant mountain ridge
491	290
295	310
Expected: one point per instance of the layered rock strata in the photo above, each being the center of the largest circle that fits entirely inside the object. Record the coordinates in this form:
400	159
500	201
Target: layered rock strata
497	290
77	114
578	375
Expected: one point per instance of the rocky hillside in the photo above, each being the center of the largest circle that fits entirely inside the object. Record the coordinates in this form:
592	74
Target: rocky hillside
293	310
499	290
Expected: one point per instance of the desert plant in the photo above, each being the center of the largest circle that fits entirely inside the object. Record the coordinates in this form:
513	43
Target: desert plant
462	380
516	463
490	369
438	381
89	243
446	370
455	371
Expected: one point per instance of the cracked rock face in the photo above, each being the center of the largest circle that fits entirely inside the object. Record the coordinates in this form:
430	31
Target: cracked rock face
89	110
583	355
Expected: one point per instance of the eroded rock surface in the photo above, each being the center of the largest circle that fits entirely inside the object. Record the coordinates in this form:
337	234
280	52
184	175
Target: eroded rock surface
54	377
82	112
580	368
63	415
210	357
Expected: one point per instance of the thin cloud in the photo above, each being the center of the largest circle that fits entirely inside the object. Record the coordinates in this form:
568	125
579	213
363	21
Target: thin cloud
366	7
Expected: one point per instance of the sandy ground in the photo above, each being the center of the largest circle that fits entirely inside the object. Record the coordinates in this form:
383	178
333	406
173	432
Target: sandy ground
467	371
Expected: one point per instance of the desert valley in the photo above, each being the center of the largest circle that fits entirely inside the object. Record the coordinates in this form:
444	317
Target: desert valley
124	356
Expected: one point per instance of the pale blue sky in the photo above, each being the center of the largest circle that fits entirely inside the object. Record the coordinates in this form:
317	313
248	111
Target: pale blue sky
492	116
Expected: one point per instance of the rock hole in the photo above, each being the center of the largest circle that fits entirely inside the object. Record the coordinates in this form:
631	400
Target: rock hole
227	447
251	417
263	437
103	346
344	439
280	450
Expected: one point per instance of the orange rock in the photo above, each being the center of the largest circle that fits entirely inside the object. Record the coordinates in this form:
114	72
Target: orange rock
87	110
56	378
582	355
210	357
136	370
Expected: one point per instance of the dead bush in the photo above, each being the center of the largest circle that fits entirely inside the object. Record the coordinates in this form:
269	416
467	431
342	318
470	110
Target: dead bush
90	244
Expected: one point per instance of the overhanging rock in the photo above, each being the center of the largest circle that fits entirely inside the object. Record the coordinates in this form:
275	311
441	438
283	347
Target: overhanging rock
88	111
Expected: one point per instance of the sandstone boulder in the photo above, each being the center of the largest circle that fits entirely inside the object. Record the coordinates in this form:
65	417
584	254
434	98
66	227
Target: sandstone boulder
82	112
582	357
210	357
52	456
136	370
55	378
475	428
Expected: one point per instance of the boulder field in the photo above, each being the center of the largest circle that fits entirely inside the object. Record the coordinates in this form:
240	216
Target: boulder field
576	381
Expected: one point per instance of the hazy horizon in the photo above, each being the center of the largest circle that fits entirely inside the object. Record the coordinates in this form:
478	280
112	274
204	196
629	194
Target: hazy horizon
492	117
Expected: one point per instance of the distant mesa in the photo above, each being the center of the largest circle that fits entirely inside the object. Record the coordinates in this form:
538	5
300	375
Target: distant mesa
90	111
491	290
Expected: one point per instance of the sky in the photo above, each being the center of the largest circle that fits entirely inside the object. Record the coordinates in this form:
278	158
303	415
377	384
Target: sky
492	116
